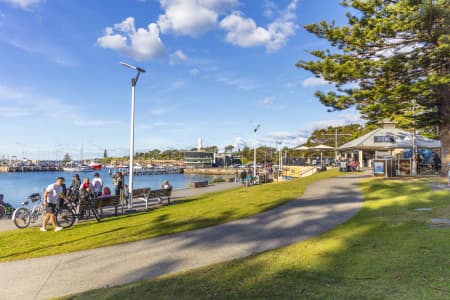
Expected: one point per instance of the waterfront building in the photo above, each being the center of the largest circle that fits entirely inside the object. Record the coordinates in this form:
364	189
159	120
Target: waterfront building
198	159
389	142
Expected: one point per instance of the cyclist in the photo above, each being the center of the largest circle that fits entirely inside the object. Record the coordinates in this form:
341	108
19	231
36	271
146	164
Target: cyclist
51	196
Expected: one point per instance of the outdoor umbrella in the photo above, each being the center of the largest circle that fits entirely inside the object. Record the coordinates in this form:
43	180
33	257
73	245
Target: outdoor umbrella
302	148
321	148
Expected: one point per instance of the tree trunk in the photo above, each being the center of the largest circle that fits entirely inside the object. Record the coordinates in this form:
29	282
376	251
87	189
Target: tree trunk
445	146
444	112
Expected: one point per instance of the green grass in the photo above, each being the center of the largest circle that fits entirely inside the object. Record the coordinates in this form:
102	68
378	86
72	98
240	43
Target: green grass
387	251
186	214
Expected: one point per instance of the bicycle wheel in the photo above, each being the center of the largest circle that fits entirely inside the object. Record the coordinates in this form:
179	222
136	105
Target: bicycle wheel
22	218
2	210
65	217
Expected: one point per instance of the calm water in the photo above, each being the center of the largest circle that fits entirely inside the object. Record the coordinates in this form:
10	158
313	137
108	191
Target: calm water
16	187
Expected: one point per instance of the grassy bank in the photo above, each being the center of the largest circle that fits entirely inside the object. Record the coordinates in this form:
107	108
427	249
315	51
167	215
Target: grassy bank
387	251
186	214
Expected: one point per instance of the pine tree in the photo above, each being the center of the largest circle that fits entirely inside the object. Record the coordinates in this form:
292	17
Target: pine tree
392	60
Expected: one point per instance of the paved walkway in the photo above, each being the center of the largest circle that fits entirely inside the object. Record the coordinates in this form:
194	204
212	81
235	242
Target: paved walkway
7	224
324	205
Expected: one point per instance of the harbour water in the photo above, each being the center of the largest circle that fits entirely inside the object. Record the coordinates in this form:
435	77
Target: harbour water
16	187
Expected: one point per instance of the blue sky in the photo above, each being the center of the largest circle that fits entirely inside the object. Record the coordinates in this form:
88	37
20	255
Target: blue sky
215	69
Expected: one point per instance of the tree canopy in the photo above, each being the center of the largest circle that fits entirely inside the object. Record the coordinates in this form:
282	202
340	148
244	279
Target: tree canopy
391	60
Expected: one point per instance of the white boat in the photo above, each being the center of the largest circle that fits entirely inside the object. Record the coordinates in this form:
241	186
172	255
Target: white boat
76	168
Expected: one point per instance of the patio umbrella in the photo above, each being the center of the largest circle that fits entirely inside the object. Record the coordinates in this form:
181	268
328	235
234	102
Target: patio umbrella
321	148
302	148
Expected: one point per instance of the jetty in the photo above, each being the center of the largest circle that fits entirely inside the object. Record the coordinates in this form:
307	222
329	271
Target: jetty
146	170
13	169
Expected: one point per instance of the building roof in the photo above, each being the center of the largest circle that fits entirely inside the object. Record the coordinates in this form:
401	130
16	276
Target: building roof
389	137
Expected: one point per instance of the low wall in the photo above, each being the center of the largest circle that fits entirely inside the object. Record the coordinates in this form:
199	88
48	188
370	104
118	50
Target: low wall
198	184
211	171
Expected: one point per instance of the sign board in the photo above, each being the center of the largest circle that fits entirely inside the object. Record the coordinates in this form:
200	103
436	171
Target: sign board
379	168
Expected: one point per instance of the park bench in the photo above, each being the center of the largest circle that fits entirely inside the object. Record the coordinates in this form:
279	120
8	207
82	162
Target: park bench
148	194
99	203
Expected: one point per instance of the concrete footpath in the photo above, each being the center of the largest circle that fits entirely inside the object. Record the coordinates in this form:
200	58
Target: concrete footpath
7	224
324	205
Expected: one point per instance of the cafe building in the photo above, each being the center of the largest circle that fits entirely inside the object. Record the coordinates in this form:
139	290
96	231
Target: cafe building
395	147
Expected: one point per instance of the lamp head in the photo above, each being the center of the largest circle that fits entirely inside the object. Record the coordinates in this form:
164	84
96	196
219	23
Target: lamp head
257	127
132	67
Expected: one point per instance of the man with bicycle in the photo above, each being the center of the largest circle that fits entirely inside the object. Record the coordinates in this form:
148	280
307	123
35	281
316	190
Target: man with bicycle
51	197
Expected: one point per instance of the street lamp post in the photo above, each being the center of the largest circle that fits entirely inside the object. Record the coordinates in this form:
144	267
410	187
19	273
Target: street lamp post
254	149
134	81
414	145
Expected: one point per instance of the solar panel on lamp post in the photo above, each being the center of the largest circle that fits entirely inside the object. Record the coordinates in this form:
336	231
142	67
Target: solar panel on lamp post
131	167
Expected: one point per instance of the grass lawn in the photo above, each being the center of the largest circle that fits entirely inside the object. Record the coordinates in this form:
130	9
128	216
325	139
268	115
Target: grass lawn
387	251
186	214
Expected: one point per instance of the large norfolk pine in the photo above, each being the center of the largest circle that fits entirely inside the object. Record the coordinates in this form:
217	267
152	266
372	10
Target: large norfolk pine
391	54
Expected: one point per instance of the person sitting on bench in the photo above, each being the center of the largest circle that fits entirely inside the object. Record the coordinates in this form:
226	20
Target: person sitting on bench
166	185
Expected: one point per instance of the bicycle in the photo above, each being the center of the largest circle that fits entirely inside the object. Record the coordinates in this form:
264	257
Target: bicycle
23	216
5	208
71	212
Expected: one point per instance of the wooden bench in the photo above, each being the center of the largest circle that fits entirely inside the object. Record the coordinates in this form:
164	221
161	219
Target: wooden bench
149	194
113	201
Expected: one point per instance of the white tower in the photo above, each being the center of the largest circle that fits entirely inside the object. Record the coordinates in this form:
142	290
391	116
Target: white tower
200	144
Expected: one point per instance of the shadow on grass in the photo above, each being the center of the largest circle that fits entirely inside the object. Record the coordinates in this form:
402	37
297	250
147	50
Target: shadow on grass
56	245
373	255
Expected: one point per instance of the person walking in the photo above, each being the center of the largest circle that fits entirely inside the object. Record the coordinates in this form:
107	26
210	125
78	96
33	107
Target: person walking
51	195
243	176
97	184
118	183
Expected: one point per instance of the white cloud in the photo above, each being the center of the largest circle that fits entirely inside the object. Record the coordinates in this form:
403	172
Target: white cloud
268	101
242	83
8	94
239	142
244	32
270	8
37	46
13	112
299	136
24	4
140	43
16	103
194	71
187	17
177	57
314	81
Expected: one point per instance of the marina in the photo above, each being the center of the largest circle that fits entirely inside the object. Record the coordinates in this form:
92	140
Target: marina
16	187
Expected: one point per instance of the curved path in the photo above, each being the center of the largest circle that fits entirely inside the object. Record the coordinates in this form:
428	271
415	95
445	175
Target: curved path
324	205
